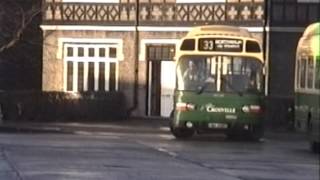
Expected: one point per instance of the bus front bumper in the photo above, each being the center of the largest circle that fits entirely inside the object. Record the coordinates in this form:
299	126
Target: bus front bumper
218	126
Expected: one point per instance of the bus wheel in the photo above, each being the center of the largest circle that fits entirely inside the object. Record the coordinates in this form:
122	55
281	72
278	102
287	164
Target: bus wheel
182	133
315	146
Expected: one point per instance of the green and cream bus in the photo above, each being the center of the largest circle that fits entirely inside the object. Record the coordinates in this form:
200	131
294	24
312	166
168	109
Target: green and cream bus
307	84
220	83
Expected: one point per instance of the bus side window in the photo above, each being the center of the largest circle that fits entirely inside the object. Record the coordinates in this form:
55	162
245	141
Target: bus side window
317	75
310	72
298	64
303	63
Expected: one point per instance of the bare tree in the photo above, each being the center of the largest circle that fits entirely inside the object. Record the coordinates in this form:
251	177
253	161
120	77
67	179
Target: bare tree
15	16
20	44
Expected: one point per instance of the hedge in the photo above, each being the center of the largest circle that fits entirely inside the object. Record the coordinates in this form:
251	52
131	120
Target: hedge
62	106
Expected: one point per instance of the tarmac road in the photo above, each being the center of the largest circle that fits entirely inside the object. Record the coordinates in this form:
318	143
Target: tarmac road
152	154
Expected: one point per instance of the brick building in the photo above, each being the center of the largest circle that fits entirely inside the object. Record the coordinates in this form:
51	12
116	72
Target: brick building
129	45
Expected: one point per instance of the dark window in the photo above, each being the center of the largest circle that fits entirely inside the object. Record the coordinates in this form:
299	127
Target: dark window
102	52
310	73
298	64
317	80
188	45
252	46
69	75
91	77
303	67
91	52
112	77
166	52
101	76
80	76
112	52
160	52
80	51
172	52
69	51
151	52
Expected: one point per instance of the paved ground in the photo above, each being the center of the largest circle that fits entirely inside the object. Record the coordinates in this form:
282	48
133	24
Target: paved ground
132	125
148	151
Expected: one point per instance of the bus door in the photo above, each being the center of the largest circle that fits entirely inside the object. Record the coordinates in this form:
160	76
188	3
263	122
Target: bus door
161	80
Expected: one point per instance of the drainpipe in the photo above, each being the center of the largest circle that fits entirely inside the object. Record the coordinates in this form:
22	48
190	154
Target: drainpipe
266	24
136	62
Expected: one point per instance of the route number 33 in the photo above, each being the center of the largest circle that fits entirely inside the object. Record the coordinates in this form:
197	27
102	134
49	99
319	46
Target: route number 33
208	45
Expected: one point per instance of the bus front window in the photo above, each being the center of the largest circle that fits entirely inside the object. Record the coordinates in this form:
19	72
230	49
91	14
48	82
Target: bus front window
220	74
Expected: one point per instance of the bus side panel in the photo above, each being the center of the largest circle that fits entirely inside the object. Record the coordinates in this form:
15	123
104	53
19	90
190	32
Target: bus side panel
307	112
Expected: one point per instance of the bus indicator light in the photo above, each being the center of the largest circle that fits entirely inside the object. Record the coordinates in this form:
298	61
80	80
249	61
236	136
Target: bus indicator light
251	109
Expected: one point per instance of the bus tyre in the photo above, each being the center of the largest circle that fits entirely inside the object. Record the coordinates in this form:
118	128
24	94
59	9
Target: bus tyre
182	133
315	146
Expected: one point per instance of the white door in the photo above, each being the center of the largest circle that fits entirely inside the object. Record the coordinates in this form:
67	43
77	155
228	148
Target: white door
168	81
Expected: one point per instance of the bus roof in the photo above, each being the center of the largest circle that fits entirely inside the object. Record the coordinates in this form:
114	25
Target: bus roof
309	43
312	30
219	30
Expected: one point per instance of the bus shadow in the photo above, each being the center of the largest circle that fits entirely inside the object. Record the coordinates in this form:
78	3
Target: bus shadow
220	138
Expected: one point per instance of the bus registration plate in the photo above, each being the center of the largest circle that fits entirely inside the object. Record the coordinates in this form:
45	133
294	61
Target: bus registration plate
218	125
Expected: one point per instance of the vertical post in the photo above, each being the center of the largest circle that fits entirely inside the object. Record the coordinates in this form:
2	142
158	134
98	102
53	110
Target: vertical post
136	59
266	26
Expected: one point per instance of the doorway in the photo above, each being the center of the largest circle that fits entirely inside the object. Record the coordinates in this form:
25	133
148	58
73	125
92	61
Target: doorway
161	79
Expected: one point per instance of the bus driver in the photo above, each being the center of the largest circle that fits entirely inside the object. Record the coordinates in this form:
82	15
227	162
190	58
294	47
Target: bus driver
191	72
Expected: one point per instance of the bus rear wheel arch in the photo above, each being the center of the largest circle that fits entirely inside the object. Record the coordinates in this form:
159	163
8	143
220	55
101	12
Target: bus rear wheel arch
182	133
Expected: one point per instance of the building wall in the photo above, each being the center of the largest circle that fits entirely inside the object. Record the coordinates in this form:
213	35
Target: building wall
178	19
53	66
282	57
53	75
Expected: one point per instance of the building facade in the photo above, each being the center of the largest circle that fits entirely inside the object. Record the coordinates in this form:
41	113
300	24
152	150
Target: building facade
129	45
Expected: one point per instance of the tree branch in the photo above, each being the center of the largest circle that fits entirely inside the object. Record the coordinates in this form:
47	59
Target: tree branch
26	19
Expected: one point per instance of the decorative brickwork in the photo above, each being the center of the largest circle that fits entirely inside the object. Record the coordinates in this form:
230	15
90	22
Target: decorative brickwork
165	14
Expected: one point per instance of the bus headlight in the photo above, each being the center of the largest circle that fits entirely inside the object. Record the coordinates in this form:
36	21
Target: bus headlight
181	106
189	124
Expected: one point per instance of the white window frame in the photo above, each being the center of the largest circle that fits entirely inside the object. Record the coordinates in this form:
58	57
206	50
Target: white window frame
86	59
118	42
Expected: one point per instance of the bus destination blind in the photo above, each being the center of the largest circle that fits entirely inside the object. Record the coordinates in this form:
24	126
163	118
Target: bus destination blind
219	44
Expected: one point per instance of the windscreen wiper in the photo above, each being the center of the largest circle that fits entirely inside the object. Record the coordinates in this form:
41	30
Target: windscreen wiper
202	88
205	85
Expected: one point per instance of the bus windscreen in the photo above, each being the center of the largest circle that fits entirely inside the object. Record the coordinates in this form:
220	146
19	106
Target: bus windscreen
220	74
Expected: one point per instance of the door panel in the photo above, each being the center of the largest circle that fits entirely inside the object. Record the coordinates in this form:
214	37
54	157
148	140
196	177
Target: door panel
168	81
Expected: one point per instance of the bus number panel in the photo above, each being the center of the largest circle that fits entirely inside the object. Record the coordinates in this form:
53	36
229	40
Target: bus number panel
219	44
